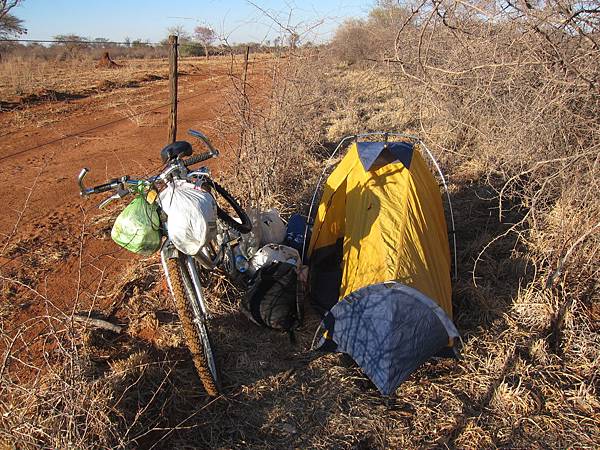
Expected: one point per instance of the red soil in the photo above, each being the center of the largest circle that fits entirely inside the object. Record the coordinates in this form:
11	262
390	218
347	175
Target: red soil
55	257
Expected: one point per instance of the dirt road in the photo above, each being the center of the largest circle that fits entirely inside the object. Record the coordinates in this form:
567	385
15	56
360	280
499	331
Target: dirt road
56	255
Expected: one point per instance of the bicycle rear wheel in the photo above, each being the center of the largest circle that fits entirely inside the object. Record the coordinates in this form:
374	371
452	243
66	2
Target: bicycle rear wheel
194	325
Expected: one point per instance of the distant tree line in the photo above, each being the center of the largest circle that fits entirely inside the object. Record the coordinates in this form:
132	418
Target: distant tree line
201	42
75	46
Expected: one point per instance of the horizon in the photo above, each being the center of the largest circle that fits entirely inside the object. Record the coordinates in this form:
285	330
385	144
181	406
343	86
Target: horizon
238	21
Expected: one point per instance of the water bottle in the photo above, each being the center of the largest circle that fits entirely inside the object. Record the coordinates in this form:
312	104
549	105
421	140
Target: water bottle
240	261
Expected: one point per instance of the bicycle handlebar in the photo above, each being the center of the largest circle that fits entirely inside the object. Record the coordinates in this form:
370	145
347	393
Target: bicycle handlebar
105	187
109	185
116	183
203	138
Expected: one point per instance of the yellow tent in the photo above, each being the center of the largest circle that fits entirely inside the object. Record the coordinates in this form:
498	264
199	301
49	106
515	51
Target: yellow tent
380	240
386	222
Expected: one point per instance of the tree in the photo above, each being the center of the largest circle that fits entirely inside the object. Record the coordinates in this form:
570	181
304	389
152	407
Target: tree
9	24
179	31
205	36
191	49
352	42
138	43
389	14
100	42
71	42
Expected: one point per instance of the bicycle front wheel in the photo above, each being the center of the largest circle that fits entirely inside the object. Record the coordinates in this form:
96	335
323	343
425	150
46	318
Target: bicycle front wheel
194	325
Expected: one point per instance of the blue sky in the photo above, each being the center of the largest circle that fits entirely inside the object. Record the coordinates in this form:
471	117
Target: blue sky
149	19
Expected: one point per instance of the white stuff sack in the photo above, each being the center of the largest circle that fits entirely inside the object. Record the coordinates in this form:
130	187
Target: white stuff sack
271	253
253	240
192	215
272	227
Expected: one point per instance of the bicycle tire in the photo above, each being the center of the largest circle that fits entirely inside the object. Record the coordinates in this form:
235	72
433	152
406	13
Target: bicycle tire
246	225
197	338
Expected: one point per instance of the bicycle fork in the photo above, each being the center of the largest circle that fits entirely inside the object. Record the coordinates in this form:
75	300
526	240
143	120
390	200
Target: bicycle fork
190	276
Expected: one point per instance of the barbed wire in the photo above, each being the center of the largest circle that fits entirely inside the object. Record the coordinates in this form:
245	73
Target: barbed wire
112	122
129	116
132	44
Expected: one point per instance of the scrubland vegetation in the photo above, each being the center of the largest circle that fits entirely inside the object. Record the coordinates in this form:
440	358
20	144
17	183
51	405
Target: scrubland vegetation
507	97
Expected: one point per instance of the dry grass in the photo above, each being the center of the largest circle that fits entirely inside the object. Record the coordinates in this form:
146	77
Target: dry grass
520	146
279	135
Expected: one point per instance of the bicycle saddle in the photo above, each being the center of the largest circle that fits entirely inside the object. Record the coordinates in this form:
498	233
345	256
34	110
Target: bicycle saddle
176	149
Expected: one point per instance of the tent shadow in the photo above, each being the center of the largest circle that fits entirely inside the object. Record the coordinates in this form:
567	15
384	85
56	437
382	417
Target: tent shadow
249	354
482	297
487	282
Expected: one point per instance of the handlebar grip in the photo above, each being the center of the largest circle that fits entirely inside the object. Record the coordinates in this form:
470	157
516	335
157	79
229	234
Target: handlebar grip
112	184
198	158
104	187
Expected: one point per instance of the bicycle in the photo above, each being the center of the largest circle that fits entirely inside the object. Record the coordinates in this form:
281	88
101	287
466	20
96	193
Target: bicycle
225	247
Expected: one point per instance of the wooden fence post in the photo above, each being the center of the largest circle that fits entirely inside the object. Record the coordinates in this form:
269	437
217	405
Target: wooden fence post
173	88
245	74
245	106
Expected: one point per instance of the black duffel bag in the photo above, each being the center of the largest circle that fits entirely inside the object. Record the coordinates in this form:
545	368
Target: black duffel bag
274	297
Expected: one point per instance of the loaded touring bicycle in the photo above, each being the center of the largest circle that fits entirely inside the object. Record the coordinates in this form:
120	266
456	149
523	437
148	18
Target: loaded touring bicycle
183	213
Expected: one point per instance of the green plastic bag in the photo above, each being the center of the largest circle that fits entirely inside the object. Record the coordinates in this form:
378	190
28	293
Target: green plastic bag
137	227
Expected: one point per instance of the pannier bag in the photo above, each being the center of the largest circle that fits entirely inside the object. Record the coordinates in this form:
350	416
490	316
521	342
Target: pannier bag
137	227
272	299
192	216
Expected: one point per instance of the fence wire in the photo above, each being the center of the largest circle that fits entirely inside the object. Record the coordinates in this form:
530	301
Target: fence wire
129	44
